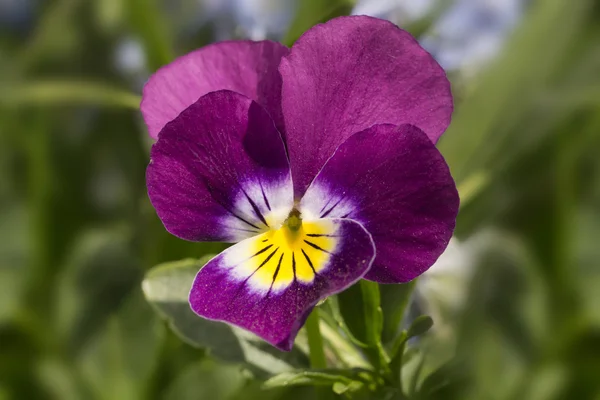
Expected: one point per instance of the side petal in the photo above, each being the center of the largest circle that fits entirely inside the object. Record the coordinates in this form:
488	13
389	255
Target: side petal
219	171
269	285
246	67
397	185
351	73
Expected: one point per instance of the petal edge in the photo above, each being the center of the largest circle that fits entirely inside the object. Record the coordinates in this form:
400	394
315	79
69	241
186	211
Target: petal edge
246	67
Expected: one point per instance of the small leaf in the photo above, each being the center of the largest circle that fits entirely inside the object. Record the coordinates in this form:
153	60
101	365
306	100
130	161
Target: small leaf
167	286
309	377
351	309
333	315
341	388
360	307
394	301
420	326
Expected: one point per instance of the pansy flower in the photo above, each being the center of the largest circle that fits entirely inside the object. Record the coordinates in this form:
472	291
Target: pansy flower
318	162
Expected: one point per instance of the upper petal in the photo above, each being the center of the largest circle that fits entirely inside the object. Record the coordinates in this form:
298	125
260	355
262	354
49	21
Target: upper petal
396	183
348	74
219	171
246	67
269	284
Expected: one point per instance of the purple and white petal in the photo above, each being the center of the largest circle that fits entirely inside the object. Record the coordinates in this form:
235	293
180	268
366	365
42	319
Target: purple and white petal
219	171
246	67
269	284
348	74
397	185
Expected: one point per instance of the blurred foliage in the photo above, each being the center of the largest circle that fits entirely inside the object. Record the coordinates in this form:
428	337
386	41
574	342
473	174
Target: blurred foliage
78	236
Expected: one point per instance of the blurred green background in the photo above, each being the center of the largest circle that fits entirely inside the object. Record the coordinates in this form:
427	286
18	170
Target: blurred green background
515	301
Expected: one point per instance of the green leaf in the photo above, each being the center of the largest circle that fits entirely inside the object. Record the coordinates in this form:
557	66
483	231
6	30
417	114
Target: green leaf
311	377
332	315
419	326
312	12
341	388
361	310
352	311
394	300
167	286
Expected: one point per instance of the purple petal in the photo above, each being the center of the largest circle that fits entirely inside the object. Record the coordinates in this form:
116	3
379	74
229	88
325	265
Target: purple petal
351	73
246	67
396	183
269	284
219	171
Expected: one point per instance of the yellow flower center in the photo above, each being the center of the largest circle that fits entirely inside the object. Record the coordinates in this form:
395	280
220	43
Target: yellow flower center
296	250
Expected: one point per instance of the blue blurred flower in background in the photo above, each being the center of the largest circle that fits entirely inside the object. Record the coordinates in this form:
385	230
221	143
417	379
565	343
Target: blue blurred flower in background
397	11
465	36
253	19
16	15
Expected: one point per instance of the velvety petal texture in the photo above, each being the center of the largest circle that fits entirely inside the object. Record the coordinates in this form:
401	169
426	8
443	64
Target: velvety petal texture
269	284
397	185
246	67
319	161
348	74
219	171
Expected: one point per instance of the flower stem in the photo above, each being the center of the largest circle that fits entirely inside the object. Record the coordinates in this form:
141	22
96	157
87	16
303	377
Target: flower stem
315	341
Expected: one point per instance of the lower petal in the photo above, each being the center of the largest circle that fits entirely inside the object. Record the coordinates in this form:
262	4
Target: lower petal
268	284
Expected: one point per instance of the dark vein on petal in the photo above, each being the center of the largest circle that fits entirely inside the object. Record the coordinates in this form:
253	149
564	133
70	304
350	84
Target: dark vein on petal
320	235
294	265
210	190
265	197
325	205
266	260
315	246
261	251
242	219
277	270
309	262
244	230
256	209
326	213
265	240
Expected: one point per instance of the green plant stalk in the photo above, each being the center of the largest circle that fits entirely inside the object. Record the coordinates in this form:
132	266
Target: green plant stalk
316	350
57	92
315	341
396	362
